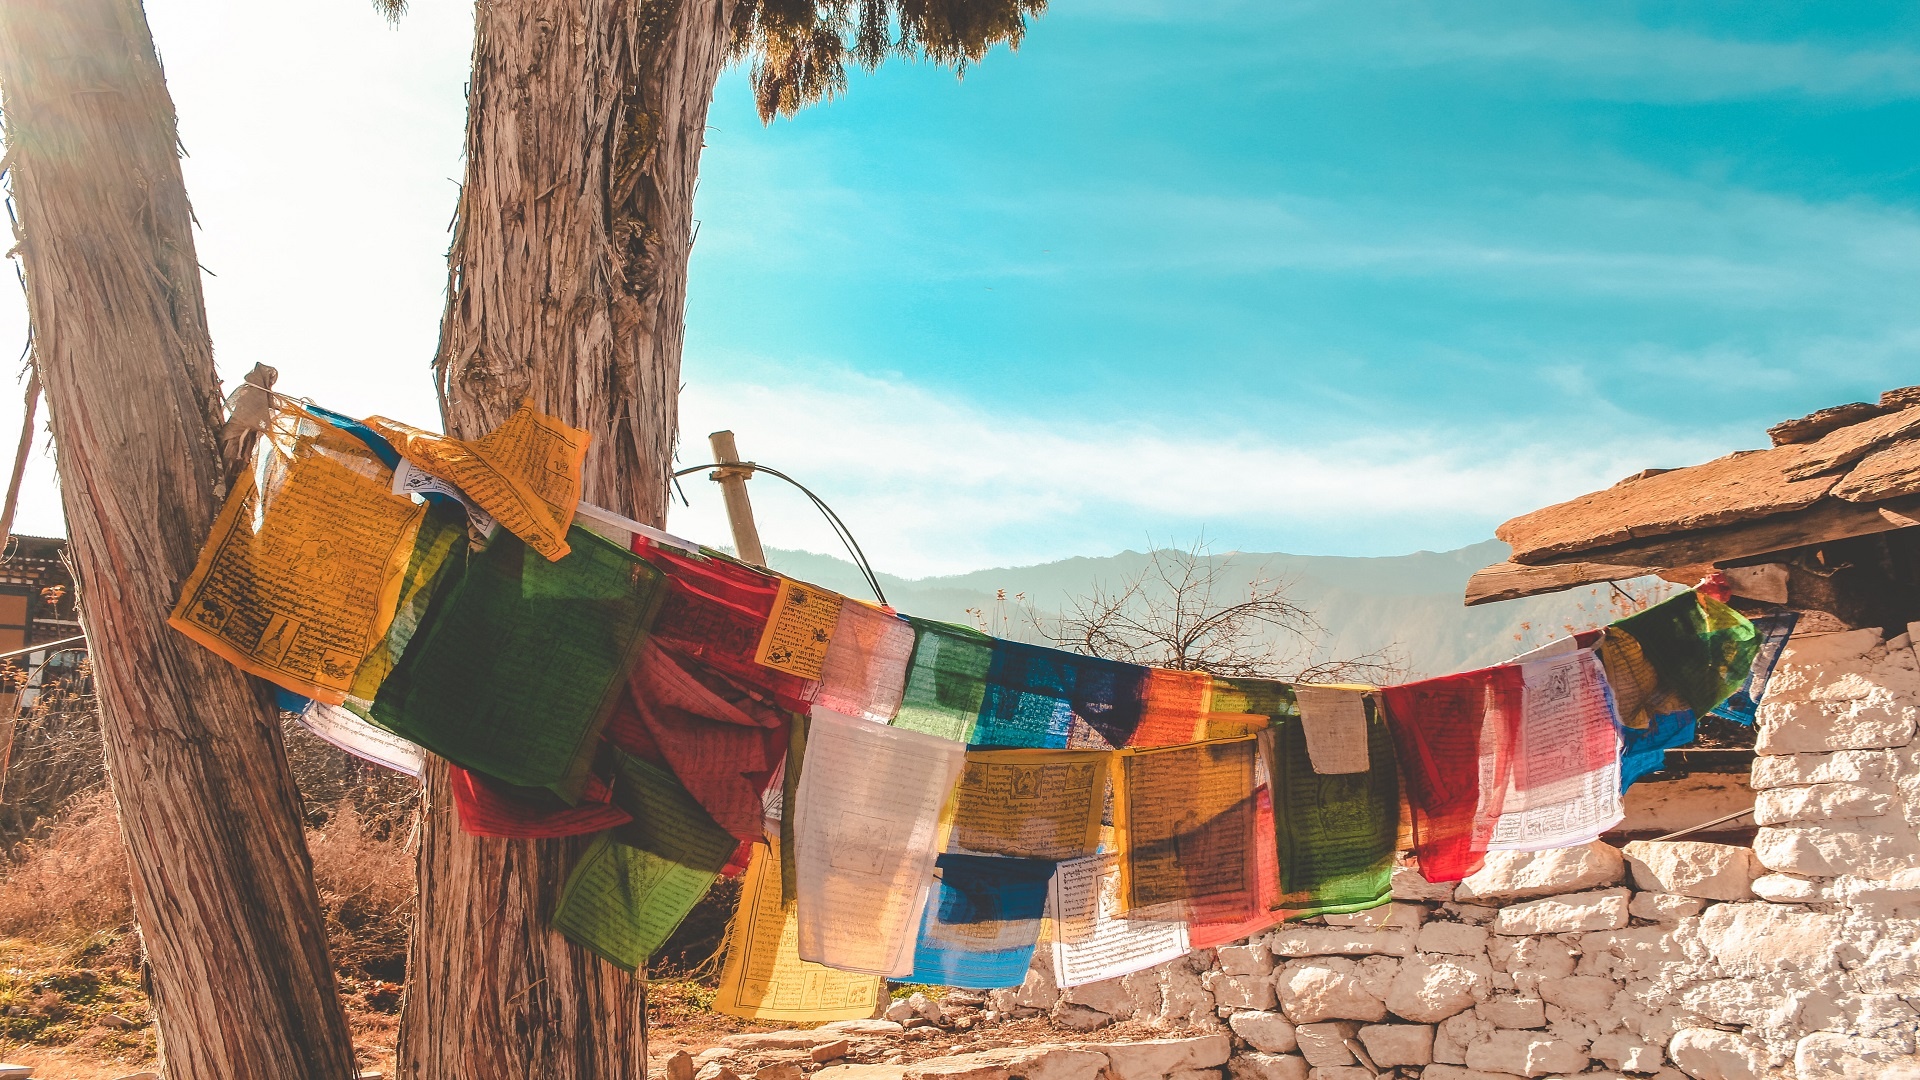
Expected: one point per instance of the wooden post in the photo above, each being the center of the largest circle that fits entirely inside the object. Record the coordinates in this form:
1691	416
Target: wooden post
733	486
19	466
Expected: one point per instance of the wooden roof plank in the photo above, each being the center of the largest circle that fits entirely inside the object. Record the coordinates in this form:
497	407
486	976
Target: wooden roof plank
1511	581
1743	486
1890	472
1828	520
1849	444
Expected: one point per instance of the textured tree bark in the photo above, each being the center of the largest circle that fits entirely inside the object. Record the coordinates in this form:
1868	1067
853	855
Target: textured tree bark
222	883
567	284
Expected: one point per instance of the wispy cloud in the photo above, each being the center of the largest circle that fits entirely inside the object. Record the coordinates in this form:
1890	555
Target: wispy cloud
1585	50
931	484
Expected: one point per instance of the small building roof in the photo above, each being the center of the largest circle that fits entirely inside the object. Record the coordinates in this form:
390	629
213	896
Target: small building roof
1847	471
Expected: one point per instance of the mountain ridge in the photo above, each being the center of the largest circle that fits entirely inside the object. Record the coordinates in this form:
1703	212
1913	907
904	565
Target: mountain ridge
1410	603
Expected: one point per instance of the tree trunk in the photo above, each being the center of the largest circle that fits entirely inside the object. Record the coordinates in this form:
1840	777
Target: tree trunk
567	285
222	883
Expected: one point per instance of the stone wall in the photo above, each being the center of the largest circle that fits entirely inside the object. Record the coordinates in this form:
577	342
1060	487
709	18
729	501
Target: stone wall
1798	958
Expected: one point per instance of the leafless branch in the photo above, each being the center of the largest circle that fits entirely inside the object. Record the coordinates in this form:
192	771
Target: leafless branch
1182	611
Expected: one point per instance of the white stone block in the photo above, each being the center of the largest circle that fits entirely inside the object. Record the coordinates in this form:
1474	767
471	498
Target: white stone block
1270	1032
1154	1059
1825	802
1690	868
1822	802
1402	916
1757	939
1439	937
1108	996
1429	989
1409	885
1788	889
1626	1053
1452	1036
1334	988
1456	1072
1664	908
1471	914
1581	995
1340	1072
1037	992
1240	991
1398	1044
1294	941
1603	910
1325	1043
1249	959
1050	1062
1511	1011
957	1067
1831	1055
1255	1065
1546	957
1842	767
1821	701
1525	1053
1525	875
1872	847
1710	1054
1638	952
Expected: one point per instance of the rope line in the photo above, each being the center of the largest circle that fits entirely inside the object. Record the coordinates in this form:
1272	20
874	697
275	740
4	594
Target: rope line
839	527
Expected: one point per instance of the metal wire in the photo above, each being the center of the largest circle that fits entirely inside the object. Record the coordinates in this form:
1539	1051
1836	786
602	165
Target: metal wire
839	527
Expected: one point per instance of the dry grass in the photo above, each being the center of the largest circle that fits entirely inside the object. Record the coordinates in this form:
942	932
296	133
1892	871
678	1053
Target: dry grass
69	955
366	889
72	884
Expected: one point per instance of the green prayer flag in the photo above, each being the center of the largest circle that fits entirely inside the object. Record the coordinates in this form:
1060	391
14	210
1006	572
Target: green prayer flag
667	820
518	664
1335	834
789	802
946	680
439	551
623	903
1702	649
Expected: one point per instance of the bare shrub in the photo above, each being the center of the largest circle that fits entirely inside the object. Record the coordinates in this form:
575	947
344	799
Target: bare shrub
71	883
56	756
366	888
383	801
1182	611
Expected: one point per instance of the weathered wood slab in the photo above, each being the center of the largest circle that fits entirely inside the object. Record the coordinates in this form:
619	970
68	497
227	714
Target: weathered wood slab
1829	520
1744	486
1850	444
1511	581
1888	473
1813	425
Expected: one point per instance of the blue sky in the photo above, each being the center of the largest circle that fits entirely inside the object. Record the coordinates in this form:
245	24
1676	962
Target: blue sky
1354	278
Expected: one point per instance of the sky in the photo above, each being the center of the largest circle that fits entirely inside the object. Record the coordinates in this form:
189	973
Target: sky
1354	278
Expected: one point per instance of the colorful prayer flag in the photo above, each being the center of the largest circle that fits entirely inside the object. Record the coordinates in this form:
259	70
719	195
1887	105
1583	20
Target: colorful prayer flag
522	660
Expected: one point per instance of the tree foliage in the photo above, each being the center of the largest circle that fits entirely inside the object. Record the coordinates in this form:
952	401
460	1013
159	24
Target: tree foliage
800	49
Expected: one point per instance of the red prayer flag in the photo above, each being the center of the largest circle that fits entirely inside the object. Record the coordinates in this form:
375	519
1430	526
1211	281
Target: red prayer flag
490	808
1455	736
713	614
721	741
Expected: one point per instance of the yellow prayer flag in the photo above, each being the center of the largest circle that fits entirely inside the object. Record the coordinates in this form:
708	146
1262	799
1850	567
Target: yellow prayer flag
1034	804
1184	822
799	630
299	592
526	472
764	978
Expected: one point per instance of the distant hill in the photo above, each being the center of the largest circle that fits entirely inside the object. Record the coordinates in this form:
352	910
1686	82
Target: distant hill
1411	602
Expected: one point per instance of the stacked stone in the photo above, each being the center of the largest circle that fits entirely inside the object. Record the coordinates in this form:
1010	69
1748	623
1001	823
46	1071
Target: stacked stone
1798	958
